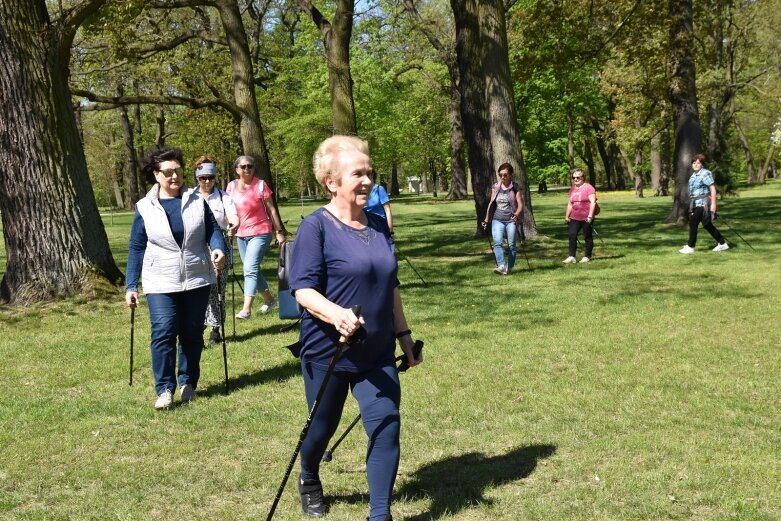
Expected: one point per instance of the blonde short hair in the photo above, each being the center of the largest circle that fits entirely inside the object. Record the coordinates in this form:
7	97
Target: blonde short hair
324	159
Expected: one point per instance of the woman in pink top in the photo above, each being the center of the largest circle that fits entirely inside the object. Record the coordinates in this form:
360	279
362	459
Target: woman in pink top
257	219
579	215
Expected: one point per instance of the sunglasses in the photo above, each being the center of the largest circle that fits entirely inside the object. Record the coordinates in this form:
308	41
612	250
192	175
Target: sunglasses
246	167
168	172
577	177
206	178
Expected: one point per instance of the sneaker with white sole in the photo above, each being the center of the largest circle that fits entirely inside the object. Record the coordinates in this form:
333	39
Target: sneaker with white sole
570	260
243	315
584	259
265	308
721	247
500	270
187	393
165	400
686	250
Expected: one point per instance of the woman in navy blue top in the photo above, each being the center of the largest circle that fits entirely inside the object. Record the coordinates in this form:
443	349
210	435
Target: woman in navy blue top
344	257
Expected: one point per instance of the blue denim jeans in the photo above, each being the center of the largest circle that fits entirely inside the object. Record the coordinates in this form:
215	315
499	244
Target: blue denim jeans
252	250
177	316
378	394
500	230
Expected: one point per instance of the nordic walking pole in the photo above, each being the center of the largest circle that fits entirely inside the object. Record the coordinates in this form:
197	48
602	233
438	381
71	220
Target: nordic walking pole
402	367
233	290
597	233
396	247
221	311
132	334
340	348
716	215
522	237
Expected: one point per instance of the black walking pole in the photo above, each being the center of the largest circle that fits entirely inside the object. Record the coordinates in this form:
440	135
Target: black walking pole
233	289
396	247
340	348
403	366
221	311
597	233
132	334
522	237
716	215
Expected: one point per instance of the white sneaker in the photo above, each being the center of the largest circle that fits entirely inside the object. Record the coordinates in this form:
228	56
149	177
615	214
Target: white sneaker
265	308
243	315
570	260
187	393
501	270
721	247
165	400
686	250
584	259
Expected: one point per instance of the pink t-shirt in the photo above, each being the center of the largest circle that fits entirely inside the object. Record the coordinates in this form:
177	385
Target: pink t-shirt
251	208
580	203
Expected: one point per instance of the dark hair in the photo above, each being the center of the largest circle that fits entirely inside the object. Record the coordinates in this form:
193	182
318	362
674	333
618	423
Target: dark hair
699	157
505	166
158	155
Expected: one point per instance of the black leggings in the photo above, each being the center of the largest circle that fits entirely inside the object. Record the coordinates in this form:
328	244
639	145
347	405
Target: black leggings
695	218
574	227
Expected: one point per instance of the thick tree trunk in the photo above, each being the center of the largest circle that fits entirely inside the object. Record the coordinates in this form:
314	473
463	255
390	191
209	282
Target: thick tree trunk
505	138
55	241
683	96
394	184
767	164
474	112
656	164
458	190
588	157
603	153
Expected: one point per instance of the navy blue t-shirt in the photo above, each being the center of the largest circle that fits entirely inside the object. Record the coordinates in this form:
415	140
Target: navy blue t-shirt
349	267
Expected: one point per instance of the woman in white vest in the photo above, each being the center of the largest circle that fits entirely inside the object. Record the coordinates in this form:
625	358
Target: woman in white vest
172	233
224	212
257	219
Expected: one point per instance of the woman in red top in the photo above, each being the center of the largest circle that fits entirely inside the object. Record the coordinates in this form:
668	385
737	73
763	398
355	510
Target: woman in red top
579	215
257	219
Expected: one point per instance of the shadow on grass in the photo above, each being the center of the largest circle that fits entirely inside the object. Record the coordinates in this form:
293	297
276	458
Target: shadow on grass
272	374
459	482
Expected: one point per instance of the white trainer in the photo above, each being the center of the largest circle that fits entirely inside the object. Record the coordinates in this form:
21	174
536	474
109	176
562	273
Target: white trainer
187	393
165	400
584	259
721	247
570	260
686	250
501	270
265	308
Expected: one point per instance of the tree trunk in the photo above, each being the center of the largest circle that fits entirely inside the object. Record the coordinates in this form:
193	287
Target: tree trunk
588	157
55	241
768	163
751	173
603	154
458	190
683	96
570	138
638	170
132	168
394	185
505	138
656	164
474	112
336	39
160	124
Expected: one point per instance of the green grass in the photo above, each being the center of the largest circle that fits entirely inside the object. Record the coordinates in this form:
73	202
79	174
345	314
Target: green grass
643	385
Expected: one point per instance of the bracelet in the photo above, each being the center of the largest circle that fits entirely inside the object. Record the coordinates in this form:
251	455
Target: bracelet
403	333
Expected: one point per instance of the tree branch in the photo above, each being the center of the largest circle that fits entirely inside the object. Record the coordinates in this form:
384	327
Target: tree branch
118	101
317	17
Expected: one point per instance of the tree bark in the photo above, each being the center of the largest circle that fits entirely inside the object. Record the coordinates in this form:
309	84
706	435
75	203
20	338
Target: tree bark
131	169
336	38
751	173
55	241
656	164
474	112
683	96
505	138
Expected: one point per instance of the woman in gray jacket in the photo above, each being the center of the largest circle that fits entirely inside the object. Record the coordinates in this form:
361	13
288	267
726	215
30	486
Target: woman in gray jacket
170	238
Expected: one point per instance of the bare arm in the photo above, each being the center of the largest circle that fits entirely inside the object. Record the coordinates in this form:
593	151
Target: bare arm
592	199
713	194
388	216
341	318
276	222
400	325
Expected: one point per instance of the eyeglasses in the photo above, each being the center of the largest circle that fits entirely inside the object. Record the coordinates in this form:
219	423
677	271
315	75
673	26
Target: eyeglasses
168	172
206	178
576	177
246	167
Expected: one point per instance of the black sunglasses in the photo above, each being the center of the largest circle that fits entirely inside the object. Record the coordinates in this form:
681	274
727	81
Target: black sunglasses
206	178
577	177
246	167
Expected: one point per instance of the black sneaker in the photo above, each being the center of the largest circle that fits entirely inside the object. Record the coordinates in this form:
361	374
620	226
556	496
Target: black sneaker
312	501
386	518
214	337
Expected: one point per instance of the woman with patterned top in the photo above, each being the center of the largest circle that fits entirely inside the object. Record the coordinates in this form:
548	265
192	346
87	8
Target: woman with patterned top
702	206
504	209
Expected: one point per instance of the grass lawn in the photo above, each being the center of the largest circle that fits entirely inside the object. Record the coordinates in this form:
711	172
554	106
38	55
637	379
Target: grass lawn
641	386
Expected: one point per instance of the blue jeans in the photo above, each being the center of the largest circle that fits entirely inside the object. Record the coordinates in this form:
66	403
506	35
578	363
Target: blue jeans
177	315
378	394
252	250
500	230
